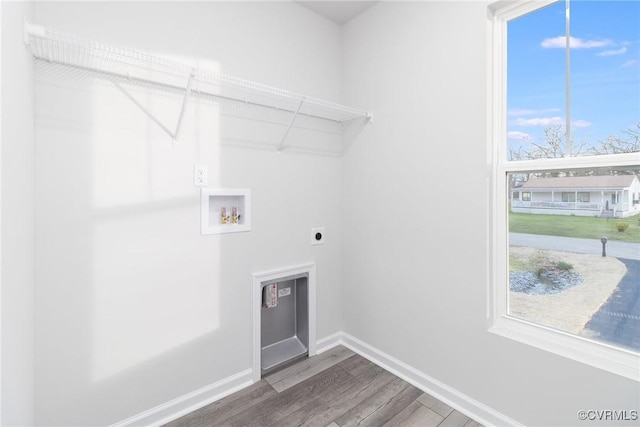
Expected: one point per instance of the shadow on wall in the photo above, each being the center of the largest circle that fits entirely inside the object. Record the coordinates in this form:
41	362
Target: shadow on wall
150	264
124	278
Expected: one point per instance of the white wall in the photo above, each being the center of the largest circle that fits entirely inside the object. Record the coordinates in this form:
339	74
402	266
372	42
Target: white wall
17	219
133	306
415	268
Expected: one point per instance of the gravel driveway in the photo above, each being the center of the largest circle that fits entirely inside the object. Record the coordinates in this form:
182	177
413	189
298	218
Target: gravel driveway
571	309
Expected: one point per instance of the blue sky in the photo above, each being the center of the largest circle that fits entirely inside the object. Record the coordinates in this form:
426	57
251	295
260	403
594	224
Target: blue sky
605	70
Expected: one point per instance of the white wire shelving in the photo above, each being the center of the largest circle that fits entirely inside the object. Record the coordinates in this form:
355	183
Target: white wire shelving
125	68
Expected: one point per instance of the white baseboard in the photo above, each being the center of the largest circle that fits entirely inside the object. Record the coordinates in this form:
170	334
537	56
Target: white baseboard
452	397
189	402
197	399
329	342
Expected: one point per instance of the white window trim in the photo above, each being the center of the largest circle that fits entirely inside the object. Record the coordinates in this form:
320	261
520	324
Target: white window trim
594	353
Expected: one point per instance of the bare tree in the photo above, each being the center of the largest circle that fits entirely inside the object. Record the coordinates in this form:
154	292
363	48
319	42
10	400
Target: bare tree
552	145
630	143
515	154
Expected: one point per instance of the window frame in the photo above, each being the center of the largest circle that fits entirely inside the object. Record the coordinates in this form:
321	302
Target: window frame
583	197
569	195
598	354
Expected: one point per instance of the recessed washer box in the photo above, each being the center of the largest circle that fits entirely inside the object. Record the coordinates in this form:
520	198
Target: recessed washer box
225	210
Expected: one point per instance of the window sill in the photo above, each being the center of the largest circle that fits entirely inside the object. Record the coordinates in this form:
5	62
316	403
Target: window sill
621	362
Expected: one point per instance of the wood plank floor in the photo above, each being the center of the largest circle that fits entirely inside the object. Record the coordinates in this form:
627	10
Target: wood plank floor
337	388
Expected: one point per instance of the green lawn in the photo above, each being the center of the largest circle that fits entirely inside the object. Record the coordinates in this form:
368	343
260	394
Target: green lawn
575	226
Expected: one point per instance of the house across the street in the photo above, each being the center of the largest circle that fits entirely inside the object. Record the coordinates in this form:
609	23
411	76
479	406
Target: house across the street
606	196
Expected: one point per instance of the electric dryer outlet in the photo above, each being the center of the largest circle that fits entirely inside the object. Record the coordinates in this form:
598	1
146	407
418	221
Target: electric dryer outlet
317	236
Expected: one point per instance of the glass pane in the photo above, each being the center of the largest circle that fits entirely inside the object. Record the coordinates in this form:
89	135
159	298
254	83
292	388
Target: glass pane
561	274
536	84
605	76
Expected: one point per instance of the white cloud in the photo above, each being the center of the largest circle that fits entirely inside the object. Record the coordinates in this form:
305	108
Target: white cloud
630	63
526	112
620	51
580	124
518	135
554	42
551	121
575	43
540	121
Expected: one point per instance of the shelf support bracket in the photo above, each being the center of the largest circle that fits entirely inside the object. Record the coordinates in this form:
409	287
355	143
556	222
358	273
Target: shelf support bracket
173	135
144	109
184	106
293	119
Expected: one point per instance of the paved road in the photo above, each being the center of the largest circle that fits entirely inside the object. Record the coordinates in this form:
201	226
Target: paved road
618	320
582	246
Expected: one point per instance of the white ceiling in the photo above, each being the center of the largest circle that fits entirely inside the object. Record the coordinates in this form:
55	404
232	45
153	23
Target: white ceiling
338	11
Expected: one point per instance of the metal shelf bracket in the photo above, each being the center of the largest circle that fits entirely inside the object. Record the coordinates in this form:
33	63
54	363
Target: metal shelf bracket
174	135
293	119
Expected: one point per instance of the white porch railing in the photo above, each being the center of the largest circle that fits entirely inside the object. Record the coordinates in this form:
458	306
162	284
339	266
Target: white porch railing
563	205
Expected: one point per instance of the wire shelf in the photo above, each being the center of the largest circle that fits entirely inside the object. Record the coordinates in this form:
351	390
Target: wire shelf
124	68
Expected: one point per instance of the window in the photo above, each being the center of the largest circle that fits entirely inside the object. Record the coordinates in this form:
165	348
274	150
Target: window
516	195
565	84
568	197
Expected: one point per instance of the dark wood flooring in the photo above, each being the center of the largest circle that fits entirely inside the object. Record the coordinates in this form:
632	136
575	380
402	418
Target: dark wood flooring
334	389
